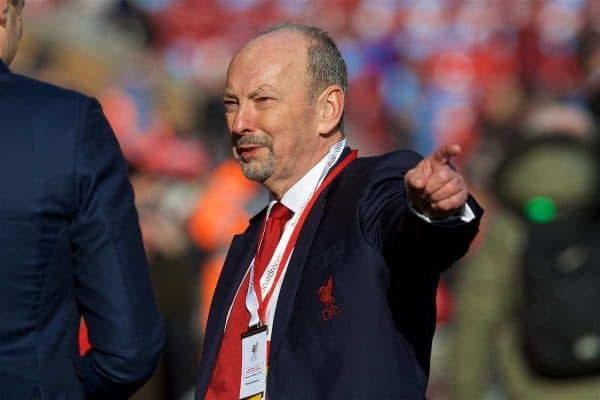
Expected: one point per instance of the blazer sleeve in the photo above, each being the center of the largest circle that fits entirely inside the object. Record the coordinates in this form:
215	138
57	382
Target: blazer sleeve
112	282
393	228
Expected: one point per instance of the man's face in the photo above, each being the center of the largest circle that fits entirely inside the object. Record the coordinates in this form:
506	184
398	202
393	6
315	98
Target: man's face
271	120
11	29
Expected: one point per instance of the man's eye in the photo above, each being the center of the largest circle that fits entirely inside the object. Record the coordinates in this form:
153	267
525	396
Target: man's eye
263	99
230	105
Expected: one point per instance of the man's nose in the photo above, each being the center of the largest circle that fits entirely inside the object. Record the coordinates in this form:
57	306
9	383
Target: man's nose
243	120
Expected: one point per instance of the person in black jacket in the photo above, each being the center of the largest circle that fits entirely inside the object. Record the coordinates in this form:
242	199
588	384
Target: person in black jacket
345	307
70	245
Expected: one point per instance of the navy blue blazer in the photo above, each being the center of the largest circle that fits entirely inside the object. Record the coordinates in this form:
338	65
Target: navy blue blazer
70	245
356	312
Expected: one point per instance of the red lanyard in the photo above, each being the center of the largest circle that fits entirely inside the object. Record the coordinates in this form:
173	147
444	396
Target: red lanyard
262	304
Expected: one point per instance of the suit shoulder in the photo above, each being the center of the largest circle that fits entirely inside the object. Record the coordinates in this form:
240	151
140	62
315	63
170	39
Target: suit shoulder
47	94
395	162
403	158
369	174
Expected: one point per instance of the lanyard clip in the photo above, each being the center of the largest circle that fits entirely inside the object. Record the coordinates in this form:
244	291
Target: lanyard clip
254	329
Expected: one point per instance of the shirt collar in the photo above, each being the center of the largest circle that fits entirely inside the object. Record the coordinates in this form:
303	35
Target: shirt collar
300	192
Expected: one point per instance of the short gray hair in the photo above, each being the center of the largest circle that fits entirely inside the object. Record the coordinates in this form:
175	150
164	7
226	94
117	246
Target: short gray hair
325	63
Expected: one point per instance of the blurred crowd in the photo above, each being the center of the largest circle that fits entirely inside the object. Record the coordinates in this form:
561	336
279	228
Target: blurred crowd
479	73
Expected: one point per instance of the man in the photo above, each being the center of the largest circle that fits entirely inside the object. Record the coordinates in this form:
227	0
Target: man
70	245
339	301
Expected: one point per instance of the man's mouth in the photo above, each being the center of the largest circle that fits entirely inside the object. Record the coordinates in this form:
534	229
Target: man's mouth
248	151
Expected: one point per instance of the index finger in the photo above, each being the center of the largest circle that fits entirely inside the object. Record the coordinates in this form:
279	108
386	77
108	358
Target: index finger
445	152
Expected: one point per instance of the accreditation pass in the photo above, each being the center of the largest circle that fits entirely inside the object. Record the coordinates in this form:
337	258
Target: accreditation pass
254	364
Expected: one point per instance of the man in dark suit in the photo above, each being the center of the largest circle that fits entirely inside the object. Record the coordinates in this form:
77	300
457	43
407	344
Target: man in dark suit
70	245
342	294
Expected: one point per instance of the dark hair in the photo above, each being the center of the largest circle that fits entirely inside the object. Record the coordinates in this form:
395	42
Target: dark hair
19	4
325	63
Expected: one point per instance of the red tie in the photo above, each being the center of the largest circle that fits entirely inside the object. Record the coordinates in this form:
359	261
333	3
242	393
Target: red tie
225	381
278	216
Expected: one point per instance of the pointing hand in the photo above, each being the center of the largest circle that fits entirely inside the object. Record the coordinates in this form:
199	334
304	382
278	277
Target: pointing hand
433	187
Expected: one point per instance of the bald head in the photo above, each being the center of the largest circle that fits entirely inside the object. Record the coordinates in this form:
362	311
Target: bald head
267	52
324	63
282	114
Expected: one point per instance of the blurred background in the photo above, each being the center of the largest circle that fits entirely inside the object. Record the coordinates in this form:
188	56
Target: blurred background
514	82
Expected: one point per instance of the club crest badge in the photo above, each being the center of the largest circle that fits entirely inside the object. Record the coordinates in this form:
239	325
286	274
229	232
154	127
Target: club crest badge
330	310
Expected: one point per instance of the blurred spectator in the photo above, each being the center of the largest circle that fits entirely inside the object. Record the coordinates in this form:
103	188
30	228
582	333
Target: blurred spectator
164	206
555	163
227	204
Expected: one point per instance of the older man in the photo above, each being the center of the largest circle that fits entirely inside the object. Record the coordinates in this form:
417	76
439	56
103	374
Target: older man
330	292
70	245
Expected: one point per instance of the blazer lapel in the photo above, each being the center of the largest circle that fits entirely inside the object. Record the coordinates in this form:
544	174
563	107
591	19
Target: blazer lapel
236	264
238	259
289	287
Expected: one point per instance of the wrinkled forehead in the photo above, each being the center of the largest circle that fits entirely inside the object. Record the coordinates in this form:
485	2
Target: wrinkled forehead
269	58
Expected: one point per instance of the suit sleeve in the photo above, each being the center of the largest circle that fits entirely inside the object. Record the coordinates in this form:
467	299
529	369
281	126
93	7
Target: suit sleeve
112	282
402	237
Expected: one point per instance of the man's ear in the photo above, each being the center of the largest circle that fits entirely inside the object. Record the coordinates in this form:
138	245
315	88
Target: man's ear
3	11
331	108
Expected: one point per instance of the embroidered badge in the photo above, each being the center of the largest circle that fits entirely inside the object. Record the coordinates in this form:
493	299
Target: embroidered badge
330	310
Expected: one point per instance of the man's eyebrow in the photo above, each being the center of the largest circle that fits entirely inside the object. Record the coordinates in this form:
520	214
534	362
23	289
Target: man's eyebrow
262	88
266	86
